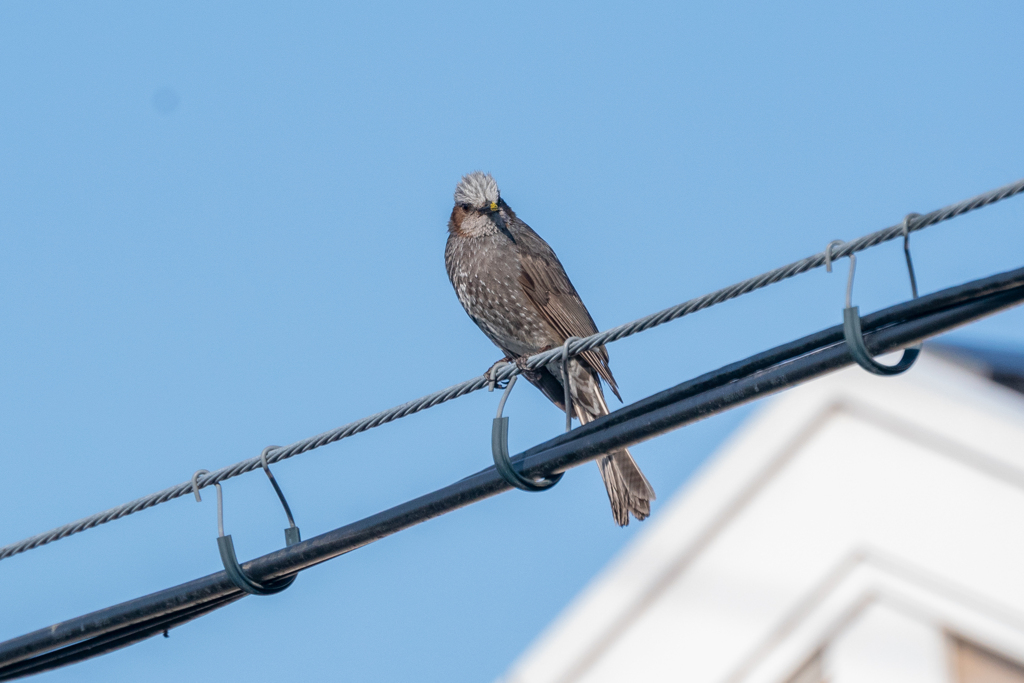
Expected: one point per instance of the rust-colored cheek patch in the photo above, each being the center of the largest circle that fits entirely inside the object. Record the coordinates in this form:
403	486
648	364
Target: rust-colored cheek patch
455	222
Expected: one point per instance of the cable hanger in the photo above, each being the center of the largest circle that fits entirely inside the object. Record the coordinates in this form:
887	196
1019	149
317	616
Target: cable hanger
499	451
851	314
226	546
499	430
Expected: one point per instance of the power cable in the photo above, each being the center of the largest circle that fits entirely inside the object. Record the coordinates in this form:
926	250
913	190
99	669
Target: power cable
761	375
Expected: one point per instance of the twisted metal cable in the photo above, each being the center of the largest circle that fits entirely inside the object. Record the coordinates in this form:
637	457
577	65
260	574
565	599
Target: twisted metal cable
912	223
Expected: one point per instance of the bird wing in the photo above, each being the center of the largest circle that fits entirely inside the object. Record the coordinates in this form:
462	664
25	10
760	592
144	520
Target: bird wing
544	280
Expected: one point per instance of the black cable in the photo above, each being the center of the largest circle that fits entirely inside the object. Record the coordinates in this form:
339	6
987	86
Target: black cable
114	640
760	375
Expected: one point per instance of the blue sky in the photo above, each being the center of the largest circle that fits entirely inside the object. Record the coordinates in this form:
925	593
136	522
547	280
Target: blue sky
222	227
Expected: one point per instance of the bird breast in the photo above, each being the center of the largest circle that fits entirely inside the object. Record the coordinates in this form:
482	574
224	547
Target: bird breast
485	273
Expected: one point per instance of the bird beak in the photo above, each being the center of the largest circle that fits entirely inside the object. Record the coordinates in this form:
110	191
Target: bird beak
496	216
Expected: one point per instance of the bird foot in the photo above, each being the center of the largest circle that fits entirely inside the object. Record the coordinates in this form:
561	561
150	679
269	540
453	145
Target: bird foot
521	363
521	360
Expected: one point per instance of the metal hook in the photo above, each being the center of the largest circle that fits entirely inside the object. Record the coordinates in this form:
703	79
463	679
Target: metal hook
906	249
220	498
291	534
567	383
852	328
491	375
227	547
499	451
828	254
849	280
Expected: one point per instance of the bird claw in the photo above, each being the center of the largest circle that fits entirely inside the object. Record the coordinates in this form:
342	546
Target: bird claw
519	361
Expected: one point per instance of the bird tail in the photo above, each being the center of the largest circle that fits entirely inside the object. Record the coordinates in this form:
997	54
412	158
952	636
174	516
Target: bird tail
628	488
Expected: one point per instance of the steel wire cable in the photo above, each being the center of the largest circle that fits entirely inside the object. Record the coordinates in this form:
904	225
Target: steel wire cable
913	224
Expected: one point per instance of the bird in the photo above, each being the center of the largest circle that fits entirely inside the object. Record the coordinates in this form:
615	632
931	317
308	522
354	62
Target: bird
515	289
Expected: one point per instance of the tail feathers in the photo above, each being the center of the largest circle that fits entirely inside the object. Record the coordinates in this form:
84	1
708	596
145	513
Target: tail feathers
628	488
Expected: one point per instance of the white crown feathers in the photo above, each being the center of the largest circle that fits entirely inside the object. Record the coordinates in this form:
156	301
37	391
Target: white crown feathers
477	189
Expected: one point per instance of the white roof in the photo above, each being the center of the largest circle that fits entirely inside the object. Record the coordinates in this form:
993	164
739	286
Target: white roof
843	496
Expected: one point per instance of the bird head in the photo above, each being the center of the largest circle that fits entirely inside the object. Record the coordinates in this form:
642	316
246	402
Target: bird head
479	208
